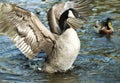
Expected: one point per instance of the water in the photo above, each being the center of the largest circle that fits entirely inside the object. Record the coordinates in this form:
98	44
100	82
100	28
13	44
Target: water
98	61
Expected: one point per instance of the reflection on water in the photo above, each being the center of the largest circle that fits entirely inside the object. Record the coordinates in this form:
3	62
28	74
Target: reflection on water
98	61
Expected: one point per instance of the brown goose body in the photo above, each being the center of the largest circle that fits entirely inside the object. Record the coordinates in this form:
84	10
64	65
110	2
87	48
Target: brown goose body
31	36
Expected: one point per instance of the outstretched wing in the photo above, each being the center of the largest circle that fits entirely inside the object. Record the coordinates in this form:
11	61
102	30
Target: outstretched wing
83	7
25	30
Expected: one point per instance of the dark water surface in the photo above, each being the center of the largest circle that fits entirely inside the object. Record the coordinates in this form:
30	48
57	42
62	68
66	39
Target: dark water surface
98	61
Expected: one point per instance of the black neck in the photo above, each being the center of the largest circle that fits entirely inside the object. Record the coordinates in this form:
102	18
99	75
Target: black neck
63	21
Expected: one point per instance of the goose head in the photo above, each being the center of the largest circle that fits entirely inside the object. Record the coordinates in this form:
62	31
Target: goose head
70	18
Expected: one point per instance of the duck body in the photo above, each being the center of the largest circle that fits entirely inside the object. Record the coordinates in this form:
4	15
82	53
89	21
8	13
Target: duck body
104	27
105	31
65	51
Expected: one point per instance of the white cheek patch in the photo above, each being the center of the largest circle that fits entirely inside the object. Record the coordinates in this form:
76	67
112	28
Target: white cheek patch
70	14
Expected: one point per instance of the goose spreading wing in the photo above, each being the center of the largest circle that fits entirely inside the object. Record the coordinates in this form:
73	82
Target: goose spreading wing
26	30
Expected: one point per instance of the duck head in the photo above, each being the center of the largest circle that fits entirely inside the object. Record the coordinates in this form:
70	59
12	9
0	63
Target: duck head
109	24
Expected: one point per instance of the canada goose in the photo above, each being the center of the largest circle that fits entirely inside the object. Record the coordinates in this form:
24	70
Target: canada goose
62	44
104	27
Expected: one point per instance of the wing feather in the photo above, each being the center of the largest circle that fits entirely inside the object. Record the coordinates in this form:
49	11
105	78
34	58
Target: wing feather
79	5
25	30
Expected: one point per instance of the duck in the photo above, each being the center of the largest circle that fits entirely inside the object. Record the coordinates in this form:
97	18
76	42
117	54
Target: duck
61	43
104	27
